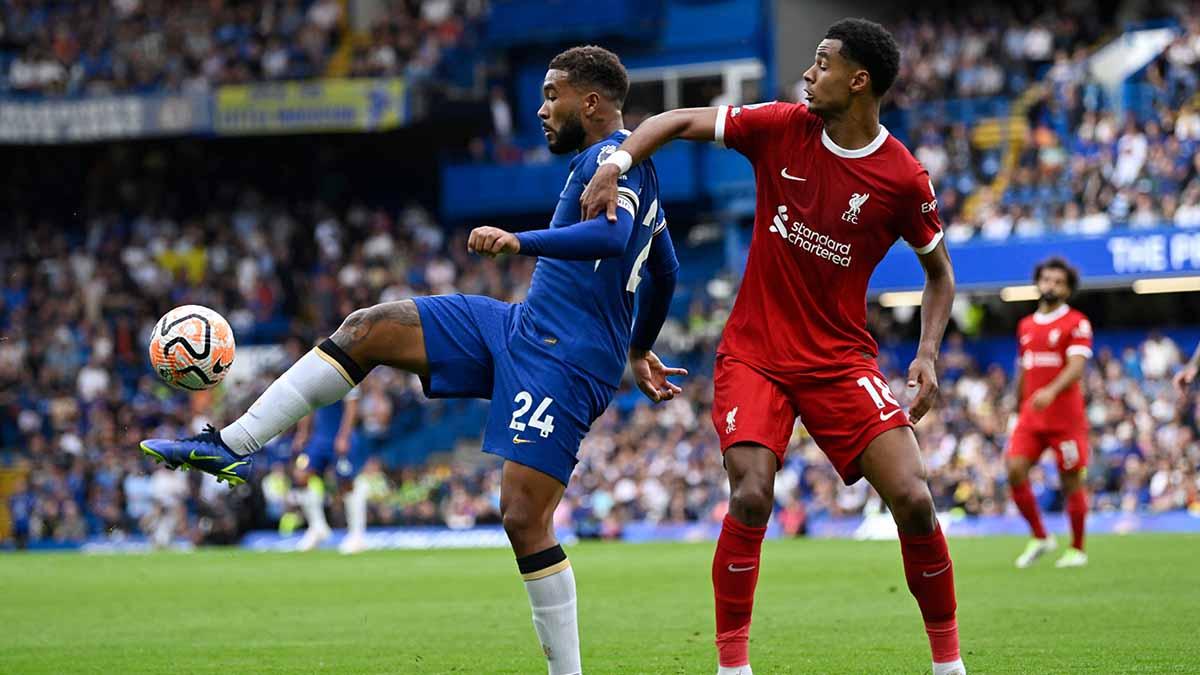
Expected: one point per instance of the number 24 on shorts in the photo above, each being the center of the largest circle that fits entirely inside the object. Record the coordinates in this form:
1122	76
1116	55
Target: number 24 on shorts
540	420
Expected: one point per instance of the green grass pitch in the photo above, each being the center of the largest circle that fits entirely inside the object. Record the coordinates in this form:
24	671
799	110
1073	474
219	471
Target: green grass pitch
822	607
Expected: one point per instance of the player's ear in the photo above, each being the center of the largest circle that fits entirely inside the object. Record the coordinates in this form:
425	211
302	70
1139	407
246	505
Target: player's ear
860	81
591	103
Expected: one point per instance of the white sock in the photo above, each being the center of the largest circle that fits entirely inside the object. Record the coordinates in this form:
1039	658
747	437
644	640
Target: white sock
315	381
314	505
951	668
356	510
552	598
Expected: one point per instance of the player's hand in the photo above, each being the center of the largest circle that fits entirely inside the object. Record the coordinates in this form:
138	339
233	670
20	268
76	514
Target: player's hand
600	195
492	242
1041	399
1185	378
651	375
922	376
341	445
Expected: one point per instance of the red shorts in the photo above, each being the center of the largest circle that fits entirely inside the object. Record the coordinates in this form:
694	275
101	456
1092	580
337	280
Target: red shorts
843	413
1070	447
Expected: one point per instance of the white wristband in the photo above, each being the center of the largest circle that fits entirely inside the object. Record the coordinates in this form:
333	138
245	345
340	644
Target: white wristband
621	159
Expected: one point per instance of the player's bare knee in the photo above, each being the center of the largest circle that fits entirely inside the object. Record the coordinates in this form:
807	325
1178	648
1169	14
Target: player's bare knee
912	508
1016	475
353	332
752	503
522	523
357	331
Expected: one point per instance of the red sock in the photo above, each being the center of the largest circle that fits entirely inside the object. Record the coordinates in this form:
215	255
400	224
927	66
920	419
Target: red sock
734	575
1077	508
1022	496
930	576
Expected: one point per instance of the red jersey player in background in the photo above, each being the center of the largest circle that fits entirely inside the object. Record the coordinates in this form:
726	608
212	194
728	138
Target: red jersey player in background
1053	345
834	192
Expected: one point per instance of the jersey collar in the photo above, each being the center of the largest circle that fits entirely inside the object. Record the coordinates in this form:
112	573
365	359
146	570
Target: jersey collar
1050	317
854	154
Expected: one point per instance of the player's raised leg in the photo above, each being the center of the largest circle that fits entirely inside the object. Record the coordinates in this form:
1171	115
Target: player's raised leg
893	465
385	334
528	498
751	469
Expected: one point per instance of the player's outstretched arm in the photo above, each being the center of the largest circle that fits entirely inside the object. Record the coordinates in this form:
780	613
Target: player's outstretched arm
653	304
691	124
593	239
935	314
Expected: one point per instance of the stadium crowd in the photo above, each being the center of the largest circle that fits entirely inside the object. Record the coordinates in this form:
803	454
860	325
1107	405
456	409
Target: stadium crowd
189	46
76	395
988	49
1081	168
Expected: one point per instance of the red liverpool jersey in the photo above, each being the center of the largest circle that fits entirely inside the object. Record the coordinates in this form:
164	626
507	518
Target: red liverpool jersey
1044	341
824	218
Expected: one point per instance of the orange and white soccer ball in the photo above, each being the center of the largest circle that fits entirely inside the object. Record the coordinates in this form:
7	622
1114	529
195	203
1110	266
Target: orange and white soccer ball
192	348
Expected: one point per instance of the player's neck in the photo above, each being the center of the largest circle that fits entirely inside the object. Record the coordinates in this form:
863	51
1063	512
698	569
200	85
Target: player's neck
855	128
1044	308
602	130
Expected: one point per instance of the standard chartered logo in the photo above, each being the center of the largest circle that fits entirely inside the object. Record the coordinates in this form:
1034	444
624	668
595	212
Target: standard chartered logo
809	240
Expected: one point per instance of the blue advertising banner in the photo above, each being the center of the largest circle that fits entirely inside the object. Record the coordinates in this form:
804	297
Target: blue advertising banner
876	526
1116	258
316	106
102	119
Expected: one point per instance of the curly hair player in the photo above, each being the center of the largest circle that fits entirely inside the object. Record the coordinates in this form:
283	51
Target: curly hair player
550	365
834	192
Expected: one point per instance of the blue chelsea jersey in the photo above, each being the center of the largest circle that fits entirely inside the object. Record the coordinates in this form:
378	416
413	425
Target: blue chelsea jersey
581	311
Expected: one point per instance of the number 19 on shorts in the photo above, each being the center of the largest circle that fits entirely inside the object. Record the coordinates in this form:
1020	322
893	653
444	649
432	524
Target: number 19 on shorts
881	395
540	420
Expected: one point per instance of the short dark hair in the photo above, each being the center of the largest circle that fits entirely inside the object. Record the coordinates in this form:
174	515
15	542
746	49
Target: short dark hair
871	46
592	66
1057	263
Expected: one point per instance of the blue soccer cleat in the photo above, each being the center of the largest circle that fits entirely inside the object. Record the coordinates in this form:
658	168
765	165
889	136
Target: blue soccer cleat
204	451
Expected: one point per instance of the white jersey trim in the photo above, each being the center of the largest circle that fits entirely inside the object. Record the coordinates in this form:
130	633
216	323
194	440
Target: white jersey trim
860	152
719	126
632	197
1050	317
930	246
1081	350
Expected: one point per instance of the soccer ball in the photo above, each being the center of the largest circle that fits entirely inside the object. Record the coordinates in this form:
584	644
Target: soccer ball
192	348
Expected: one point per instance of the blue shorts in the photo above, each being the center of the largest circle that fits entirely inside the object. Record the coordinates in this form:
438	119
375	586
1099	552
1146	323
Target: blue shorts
319	455
541	409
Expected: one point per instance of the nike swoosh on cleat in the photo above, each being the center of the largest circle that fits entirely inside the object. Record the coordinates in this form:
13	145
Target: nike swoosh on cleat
156	456
192	456
927	575
884	418
731	568
788	176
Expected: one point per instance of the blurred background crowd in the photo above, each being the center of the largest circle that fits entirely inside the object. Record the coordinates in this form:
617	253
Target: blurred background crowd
1019	135
76	395
191	46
